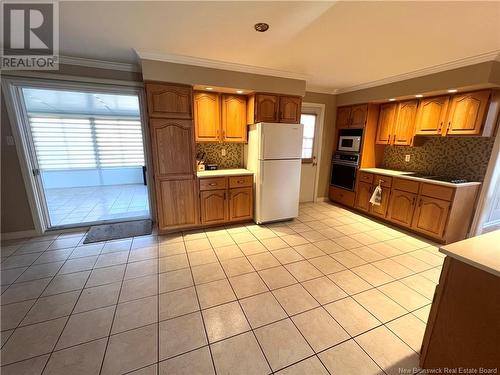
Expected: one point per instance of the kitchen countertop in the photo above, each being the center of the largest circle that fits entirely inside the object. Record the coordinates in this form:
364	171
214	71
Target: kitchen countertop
224	172
408	176
482	252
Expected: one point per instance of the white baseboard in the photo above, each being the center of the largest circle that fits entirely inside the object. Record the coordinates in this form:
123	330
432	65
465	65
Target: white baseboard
20	234
322	199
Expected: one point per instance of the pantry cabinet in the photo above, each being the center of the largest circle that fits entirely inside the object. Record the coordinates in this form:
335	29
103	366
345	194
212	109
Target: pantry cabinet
169	100
274	108
386	119
467	113
431	116
177	204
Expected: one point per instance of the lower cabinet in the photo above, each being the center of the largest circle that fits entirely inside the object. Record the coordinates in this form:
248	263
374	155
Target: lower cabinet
401	207
221	202
431	215
363	195
178	204
381	209
342	196
213	206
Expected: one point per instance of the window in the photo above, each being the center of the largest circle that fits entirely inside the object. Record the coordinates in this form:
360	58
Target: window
309	122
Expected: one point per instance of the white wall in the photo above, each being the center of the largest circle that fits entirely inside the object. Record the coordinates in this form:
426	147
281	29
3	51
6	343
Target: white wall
91	177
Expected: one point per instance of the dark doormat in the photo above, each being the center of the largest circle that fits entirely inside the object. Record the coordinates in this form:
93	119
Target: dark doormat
126	229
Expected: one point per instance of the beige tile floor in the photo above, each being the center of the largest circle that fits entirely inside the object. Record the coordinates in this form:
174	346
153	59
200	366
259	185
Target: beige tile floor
330	292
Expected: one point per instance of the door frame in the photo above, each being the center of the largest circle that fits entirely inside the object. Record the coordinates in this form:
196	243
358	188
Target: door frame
11	89
319	110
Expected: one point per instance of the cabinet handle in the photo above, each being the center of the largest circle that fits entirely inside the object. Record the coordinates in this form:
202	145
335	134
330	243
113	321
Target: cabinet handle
223	133
394	139
413	201
448	128
212	184
224	195
440	127
240	181
420	203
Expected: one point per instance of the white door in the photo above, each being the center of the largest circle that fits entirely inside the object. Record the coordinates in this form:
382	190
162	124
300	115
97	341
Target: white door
281	141
311	118
278	190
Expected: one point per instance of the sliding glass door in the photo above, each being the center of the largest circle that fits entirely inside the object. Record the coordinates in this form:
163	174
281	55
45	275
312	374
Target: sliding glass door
87	155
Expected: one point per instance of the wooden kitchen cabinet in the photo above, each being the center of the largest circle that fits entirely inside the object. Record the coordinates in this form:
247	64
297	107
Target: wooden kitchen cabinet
168	100
381	209
431	115
467	113
207	116
352	116
234	124
405	122
430	216
387	117
240	204
172	148
290	108
363	195
273	108
401	207
213	206
177	204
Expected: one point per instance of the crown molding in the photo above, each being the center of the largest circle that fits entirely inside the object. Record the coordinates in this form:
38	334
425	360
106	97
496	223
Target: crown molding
320	89
100	64
216	64
488	56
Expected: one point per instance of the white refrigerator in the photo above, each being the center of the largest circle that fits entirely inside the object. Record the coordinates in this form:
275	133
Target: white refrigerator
274	154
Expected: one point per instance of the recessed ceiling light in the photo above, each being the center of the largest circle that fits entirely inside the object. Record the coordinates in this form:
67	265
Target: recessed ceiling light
392	99
452	90
419	96
209	88
239	91
261	27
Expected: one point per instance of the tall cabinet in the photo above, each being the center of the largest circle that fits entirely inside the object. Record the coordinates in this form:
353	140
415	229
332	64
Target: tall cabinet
173	152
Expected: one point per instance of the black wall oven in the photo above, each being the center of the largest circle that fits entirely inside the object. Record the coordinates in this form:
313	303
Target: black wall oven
344	169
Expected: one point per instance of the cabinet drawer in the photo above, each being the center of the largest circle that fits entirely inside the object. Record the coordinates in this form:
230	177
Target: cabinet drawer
437	191
386	181
213	183
406	185
366	177
240	181
342	196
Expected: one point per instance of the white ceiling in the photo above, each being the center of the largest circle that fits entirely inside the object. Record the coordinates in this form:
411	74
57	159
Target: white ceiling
335	45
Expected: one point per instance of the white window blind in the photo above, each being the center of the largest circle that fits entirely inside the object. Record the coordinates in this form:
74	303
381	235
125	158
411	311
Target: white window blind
309	122
69	143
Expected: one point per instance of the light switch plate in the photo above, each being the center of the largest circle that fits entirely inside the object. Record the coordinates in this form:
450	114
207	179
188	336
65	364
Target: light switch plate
407	158
10	140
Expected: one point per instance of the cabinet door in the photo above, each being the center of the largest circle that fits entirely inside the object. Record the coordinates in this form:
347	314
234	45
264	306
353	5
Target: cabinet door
405	122
169	101
431	215
266	108
240	204
290	109
234	125
401	207
358	116
172	148
386	120
381	210
343	117
177	203
213	205
206	117
467	113
363	195
431	116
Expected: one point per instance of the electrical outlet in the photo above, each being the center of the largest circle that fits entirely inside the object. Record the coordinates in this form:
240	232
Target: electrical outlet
223	152
407	158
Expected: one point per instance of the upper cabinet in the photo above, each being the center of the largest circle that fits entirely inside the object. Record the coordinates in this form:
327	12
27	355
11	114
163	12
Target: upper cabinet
206	116
234	125
405	122
467	113
290	108
352	116
169	101
431	116
219	118
386	119
274	108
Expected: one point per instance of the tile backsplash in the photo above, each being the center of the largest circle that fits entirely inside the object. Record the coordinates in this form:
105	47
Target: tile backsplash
213	154
445	156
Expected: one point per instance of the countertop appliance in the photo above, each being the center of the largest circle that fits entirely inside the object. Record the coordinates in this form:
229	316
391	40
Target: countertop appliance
344	170
274	153
350	140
